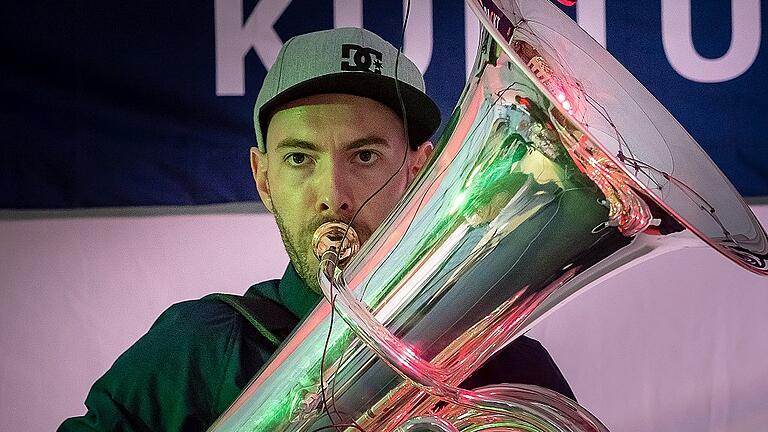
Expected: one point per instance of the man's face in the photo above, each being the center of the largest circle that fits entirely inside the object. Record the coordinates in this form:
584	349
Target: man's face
326	155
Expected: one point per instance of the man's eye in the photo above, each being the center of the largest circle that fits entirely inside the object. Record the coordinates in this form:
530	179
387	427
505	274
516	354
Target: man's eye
367	156
296	159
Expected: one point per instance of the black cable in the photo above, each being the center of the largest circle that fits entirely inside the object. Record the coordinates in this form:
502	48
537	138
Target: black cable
349	225
352	425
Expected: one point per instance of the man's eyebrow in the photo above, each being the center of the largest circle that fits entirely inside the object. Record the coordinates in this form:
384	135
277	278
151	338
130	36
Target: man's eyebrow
297	143
370	141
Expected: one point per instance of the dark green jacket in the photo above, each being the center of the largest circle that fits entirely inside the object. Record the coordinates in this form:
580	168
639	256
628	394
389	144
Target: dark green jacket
199	354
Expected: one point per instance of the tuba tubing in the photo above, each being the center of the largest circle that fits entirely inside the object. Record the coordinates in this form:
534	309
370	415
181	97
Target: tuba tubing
556	170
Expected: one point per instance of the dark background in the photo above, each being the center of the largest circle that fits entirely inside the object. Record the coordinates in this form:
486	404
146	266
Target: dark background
114	103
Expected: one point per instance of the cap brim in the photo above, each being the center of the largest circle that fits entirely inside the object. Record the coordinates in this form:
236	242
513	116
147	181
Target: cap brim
422	113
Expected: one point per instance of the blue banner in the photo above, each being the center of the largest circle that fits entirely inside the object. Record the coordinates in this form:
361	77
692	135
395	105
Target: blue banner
150	103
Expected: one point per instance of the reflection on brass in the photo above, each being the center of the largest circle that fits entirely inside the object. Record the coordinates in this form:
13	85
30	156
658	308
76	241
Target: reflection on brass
523	204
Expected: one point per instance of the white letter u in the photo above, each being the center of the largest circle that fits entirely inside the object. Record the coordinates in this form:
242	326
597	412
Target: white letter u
682	55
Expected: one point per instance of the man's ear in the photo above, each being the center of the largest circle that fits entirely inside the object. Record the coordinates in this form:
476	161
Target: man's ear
259	167
419	159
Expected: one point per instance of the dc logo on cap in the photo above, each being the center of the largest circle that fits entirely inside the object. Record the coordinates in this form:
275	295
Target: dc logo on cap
363	60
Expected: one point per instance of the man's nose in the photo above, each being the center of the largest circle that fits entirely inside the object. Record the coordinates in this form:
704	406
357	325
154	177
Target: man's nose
335	198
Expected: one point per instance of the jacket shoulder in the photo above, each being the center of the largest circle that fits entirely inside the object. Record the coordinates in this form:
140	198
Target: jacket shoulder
524	361
177	376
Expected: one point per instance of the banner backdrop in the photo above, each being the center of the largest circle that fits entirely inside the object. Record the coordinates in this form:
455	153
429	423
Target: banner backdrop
150	103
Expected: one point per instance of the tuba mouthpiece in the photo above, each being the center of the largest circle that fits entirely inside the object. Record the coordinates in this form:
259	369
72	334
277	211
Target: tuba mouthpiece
337	237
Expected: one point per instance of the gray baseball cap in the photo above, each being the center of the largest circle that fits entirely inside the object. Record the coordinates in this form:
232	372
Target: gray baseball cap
350	61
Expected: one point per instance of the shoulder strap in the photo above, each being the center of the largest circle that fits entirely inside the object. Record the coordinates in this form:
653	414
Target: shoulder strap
259	310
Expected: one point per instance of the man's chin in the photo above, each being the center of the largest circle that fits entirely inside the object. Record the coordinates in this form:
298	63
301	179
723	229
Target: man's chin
307	271
306	264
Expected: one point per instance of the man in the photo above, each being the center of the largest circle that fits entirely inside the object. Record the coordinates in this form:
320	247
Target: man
330	135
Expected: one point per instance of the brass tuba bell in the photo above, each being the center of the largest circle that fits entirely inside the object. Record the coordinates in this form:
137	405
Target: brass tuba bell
556	169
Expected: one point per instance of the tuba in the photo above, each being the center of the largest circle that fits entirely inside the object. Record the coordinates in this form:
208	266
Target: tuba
556	170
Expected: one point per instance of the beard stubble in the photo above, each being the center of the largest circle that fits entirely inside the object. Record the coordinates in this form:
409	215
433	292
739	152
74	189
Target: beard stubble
299	247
